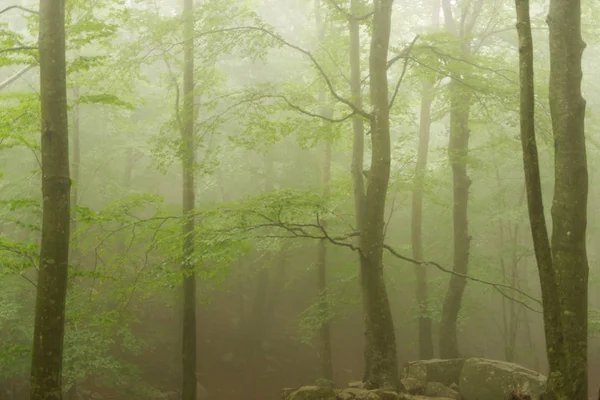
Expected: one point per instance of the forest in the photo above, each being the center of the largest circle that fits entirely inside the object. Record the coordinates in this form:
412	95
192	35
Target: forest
299	199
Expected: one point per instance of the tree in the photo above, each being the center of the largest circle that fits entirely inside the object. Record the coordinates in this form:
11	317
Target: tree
46	367
382	365
458	150
562	261
325	353
189	200
427	95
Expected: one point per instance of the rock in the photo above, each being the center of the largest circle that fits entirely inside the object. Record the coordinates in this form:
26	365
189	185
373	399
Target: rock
436	389
286	393
357	384
495	380
386	394
313	393
413	386
356	393
446	372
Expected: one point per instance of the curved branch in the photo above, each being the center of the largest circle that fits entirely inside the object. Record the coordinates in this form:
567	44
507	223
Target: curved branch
20	8
307	53
496	286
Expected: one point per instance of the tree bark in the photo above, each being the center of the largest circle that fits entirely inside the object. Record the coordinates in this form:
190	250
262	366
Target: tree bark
325	331
189	200
382	363
569	205
47	356
562	263
425	328
458	150
425	324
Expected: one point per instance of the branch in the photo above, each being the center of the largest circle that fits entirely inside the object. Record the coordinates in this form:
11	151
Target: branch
403	71
296	230
348	14
19	48
496	286
16	76
20	8
303	111
312	58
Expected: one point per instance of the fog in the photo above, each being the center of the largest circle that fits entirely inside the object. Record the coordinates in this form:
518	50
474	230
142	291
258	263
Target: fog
277	249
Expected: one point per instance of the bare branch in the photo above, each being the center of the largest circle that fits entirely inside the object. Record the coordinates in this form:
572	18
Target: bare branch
307	53
496	286
296	230
403	71
18	7
16	76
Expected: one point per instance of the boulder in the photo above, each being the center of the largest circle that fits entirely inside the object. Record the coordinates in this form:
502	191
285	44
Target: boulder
413	385
436	389
445	372
357	384
495	380
313	393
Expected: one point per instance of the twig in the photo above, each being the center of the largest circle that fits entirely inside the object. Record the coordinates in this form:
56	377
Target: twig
403	71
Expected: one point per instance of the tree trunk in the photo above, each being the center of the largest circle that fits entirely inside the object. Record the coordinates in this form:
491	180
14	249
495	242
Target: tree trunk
425	324
71	394
358	148
458	150
189	200
325	331
569	205
47	355
562	266
381	353
425	328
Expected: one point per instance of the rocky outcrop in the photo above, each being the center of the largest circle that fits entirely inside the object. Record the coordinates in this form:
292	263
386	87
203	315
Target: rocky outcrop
445	372
495	380
472	379
321	393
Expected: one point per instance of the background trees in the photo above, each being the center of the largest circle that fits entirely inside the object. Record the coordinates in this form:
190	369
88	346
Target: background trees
261	126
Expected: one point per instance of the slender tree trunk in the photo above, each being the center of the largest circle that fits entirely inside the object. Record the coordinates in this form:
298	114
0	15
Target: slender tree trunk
47	357
458	147
458	150
76	163
425	328
381	353
75	177
562	265
189	200
325	331
425	324
358	149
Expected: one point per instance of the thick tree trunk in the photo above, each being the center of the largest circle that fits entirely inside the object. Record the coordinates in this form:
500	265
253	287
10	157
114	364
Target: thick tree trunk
189	200
46	367
381	353
562	266
569	205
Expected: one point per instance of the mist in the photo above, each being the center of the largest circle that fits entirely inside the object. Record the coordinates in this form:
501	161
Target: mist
299	199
